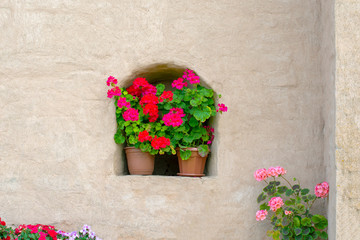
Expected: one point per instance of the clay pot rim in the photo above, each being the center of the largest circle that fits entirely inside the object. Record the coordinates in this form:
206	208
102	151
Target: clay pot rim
130	147
193	149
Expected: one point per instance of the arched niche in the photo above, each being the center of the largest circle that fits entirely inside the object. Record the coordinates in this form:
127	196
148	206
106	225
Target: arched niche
165	165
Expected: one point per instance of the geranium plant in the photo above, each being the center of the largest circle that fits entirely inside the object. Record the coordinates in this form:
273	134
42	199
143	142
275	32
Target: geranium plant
290	206
137	115
5	231
187	115
43	232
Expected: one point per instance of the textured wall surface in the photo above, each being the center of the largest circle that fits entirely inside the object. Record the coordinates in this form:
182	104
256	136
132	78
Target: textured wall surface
57	155
327	58
347	119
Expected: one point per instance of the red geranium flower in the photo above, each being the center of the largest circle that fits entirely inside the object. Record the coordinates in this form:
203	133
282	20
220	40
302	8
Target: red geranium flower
152	110
168	95
160	142
144	136
149	98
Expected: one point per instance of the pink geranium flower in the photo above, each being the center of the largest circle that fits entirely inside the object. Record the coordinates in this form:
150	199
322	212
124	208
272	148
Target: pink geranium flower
322	190
261	215
123	103
271	172
131	114
222	108
191	77
111	81
179	83
174	117
288	212
116	91
275	203
280	170
260	174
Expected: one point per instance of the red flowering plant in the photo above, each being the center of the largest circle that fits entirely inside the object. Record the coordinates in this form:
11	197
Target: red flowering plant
289	206
187	115
5	231
43	232
38	231
138	110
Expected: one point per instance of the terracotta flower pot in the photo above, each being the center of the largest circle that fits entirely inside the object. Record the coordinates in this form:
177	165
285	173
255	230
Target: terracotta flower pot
139	163
194	166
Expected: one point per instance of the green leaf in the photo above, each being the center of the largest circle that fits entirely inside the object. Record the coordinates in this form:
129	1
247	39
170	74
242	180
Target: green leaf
311	197
193	122
202	114
188	138
285	221
298	237
296	221
121	125
285	231
275	183
276	235
306	222
132	139
289	192
185	154
304	191
300	208
320	221
145	147
297	231
119	138
295	187
129	130
290	202
261	198
282	189
315	234
206	92
167	106
178	135
203	150
196	101
180	129
285	237
306	230
324	235
158	127
264	206
160	89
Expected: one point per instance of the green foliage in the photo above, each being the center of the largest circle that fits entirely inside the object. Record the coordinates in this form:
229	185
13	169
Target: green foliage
185	154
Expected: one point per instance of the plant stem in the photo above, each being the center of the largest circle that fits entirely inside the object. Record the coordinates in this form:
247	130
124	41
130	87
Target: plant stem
312	203
287	181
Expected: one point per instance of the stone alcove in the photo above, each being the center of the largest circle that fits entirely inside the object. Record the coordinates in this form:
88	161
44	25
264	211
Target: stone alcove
165	165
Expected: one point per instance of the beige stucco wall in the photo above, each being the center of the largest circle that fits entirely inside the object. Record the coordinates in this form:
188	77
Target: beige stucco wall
347	119
57	155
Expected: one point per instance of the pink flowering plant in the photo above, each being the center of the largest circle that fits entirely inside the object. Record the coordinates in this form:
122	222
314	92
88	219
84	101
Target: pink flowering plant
43	232
138	115
187	115
289	206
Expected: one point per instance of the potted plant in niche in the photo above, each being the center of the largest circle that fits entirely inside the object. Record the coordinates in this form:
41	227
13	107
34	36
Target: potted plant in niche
137	114
187	117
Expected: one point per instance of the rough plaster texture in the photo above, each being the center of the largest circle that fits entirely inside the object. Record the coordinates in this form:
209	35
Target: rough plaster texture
347	119
327	67
57	155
